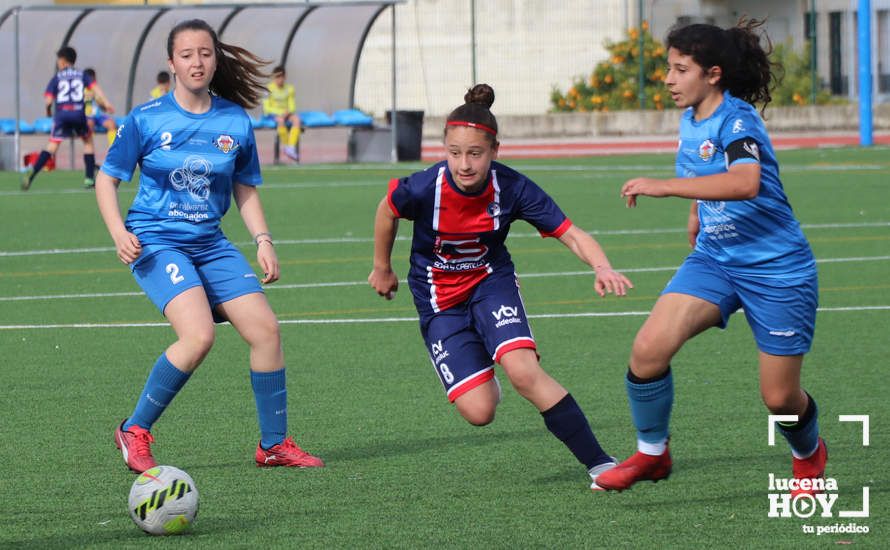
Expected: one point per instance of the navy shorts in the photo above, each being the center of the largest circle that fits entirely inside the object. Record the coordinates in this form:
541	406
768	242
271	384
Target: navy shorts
165	271
466	340
68	124
781	310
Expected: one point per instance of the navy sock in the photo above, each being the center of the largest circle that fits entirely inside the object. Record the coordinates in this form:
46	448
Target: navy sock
567	422
651	401
40	162
270	393
803	435
162	385
89	165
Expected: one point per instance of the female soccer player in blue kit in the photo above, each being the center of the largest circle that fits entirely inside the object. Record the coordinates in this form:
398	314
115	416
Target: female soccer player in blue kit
196	149
463	280
749	250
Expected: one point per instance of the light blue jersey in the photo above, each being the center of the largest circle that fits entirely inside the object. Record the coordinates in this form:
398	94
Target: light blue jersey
188	164
759	236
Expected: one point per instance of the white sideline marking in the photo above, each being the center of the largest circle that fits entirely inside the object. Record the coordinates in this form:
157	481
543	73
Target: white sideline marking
403	281
398	319
341	240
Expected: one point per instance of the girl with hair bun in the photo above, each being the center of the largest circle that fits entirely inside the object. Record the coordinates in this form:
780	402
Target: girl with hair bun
464	283
748	250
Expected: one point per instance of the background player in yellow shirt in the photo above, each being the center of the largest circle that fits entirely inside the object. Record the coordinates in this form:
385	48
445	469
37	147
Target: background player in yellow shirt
281	105
163	87
94	113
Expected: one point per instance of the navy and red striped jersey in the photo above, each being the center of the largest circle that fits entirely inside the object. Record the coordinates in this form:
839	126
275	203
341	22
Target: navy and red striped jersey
459	237
66	89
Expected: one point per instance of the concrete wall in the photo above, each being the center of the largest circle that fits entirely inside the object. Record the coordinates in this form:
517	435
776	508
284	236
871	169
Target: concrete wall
665	123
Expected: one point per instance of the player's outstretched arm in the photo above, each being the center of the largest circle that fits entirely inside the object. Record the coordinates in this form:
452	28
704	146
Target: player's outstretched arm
127	244
382	278
740	182
608	281
248	200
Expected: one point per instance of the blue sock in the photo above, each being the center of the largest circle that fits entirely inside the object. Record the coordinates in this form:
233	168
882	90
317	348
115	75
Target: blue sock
803	435
270	392
651	401
567	422
162	385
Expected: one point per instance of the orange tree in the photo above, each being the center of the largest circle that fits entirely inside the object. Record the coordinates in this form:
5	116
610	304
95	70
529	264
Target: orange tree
613	84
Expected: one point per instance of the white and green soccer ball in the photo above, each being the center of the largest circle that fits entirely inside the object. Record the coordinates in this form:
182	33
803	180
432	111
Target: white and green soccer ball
163	501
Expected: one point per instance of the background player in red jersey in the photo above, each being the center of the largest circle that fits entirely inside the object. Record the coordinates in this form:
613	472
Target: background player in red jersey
463	280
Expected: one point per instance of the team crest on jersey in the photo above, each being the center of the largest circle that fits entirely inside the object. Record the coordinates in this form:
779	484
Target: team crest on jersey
706	150
494	209
225	143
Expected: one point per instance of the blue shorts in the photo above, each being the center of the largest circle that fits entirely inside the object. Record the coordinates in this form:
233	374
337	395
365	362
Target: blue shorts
100	119
165	271
781	310
464	341
69	124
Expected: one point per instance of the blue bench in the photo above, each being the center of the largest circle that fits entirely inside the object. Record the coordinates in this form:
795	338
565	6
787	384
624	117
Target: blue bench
7	126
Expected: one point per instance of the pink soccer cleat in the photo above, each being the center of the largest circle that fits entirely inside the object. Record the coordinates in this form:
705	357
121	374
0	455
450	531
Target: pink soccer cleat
286	453
135	445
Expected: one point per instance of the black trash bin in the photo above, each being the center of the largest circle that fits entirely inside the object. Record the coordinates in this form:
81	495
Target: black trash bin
409	133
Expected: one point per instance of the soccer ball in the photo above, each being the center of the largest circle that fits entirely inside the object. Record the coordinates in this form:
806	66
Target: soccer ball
163	501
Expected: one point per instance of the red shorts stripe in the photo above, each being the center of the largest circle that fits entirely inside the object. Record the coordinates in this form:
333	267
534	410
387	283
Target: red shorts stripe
468	384
510	345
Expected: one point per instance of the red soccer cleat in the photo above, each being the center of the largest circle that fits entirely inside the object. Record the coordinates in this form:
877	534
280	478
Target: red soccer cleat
638	467
286	453
135	445
812	467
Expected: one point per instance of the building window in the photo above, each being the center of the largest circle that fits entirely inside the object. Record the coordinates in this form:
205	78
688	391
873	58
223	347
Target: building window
837	79
883	52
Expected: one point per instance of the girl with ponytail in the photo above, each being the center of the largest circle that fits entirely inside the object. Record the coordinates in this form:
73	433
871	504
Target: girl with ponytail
748	250
196	151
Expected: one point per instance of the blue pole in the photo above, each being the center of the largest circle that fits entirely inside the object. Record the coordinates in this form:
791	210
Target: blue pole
865	114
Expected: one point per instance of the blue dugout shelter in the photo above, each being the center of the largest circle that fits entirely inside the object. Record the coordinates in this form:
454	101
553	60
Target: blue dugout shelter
318	43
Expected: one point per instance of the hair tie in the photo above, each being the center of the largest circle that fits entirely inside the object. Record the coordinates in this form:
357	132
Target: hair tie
476	125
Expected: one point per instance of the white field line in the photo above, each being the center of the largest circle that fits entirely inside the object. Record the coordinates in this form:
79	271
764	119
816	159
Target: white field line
344	240
594	171
362	283
393	319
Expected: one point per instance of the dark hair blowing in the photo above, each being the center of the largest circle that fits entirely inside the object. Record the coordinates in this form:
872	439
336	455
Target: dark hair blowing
238	77
747	71
476	109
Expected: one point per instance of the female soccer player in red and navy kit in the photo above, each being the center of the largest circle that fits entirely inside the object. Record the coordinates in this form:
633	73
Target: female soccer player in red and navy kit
463	280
